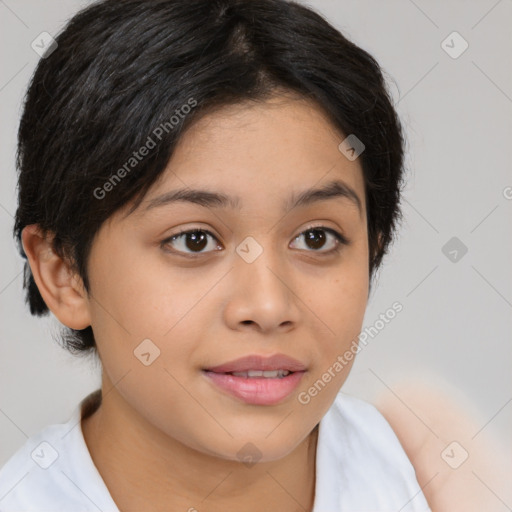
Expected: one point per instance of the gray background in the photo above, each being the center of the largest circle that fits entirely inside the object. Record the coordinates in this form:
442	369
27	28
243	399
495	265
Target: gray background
454	330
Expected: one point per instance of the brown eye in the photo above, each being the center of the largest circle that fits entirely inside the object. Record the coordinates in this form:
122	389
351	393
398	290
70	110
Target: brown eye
191	242
315	239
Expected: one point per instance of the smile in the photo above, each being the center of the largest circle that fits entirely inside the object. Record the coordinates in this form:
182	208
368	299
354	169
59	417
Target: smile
270	374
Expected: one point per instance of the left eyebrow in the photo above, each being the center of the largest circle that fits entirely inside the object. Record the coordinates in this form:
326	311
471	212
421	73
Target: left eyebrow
333	190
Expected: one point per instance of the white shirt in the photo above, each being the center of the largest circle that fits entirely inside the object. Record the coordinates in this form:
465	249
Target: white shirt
360	466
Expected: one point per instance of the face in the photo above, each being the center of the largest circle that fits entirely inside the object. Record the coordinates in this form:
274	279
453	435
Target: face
180	287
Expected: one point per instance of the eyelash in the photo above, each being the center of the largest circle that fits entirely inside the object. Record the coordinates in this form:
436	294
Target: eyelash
341	241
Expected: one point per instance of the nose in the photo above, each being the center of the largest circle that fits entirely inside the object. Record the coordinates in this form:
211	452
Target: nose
262	295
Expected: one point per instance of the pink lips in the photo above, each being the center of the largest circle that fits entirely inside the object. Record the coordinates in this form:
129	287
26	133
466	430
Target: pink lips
257	390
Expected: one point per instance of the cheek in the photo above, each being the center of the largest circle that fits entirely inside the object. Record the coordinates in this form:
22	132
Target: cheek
138	296
150	308
340	303
339	299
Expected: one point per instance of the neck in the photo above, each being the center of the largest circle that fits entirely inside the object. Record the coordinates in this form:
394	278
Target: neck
143	468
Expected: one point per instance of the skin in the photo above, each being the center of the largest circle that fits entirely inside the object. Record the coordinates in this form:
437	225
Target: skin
164	437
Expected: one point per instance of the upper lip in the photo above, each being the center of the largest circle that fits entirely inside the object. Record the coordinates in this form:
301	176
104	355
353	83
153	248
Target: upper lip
257	362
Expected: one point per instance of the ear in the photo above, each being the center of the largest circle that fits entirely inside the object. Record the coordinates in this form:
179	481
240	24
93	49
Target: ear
61	289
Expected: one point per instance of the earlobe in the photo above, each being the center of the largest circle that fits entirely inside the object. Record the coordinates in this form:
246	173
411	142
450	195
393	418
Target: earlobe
61	289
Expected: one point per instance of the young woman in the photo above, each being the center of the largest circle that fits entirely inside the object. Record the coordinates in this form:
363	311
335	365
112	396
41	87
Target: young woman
206	190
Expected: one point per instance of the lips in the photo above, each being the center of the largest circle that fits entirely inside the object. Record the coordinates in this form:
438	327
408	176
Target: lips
257	380
257	363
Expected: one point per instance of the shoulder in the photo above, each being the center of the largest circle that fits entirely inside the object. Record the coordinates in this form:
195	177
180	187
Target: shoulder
53	471
34	471
359	448
362	420
358	427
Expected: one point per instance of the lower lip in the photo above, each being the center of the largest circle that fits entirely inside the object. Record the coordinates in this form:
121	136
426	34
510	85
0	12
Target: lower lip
255	390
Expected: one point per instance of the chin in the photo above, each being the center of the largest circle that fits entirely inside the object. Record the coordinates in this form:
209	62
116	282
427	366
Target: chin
251	449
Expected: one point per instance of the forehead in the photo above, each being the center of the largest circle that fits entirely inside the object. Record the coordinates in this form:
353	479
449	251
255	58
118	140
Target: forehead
284	149
279	122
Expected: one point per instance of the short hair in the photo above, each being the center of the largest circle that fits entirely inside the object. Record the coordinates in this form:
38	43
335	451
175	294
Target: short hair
123	68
